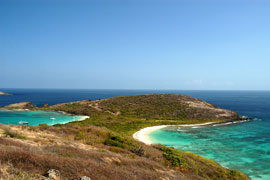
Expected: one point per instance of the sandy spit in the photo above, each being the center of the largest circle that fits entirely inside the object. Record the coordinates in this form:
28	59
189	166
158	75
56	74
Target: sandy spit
142	135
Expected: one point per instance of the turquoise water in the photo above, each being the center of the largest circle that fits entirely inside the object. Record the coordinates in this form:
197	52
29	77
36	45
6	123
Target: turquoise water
240	146
243	146
34	118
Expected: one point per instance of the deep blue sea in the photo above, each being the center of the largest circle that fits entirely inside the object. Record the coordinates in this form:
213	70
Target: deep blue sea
244	146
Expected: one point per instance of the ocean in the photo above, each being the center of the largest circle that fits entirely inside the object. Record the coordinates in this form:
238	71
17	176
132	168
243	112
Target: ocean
244	146
35	118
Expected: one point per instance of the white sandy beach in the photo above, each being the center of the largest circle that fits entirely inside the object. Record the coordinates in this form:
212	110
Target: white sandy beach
83	118
142	135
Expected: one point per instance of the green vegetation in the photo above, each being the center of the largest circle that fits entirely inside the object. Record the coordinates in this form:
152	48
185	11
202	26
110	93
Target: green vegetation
120	124
203	167
129	114
11	133
124	143
106	139
175	157
163	107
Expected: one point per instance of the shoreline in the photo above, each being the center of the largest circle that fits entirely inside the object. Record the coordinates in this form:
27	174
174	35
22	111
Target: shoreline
83	118
80	117
142	134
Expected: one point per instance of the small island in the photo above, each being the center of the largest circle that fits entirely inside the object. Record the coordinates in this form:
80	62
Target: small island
4	94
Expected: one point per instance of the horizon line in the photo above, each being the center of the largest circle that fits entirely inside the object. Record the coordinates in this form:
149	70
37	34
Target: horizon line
129	89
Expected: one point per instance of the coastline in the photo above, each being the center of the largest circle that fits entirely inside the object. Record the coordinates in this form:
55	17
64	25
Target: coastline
76	118
82	118
142	135
4	94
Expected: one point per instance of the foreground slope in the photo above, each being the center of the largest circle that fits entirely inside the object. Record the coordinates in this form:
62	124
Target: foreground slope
101	146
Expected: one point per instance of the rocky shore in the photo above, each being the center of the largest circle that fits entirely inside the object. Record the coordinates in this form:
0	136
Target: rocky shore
4	94
20	105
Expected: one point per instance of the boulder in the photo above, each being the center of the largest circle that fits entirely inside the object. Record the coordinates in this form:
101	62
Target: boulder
45	105
83	178
52	174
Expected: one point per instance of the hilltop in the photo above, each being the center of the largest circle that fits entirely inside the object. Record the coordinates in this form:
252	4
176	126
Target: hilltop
102	147
128	114
165	106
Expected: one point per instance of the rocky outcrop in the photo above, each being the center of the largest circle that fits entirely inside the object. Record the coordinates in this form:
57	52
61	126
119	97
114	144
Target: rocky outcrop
83	178
4	94
21	105
45	106
52	174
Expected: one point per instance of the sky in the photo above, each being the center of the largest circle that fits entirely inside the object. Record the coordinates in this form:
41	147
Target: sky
135	44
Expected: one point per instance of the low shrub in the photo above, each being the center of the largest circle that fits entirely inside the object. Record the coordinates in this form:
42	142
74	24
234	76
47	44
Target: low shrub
79	135
43	127
116	141
137	150
13	134
174	157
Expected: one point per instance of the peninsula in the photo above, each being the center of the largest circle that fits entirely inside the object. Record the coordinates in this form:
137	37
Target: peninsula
102	147
4	94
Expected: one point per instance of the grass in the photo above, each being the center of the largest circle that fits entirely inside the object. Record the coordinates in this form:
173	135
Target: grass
102	146
111	155
74	162
161	107
203	167
119	123
11	133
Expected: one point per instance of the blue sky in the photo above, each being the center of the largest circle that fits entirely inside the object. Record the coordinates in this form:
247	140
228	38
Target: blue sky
149	44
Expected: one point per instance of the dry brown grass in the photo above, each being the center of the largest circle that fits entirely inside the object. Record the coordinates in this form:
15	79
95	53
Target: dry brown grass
29	157
73	163
67	149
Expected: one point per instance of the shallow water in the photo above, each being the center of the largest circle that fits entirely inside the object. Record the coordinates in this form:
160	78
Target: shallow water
244	146
239	146
34	118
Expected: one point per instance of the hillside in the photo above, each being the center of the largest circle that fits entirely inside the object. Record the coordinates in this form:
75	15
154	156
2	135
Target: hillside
130	113
101	147
20	105
165	106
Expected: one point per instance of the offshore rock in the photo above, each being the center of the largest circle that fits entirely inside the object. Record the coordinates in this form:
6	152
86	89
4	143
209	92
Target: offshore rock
52	174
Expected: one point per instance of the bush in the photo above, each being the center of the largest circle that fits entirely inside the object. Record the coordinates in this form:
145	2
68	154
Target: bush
13	134
79	135
116	141
137	150
174	157
234	172
43	127
125	143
